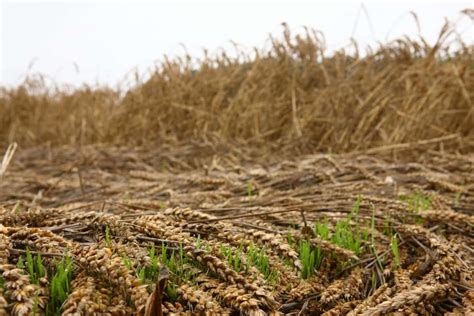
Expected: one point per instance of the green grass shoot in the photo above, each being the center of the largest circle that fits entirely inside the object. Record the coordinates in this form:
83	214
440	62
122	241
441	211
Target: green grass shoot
344	234
34	266
256	257
59	287
172	292
127	262
396	254
310	258
233	258
417	201
21	263
249	188
322	230
197	244
372	242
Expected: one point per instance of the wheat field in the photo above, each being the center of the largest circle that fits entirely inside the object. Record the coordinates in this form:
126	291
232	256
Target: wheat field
279	181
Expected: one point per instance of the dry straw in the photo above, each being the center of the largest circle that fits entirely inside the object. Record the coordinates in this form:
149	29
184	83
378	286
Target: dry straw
108	233
292	97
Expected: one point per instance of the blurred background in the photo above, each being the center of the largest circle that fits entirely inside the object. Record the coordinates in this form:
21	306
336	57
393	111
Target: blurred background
103	42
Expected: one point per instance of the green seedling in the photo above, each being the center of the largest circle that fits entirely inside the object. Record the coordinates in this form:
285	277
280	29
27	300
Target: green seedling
176	263
396	254
287	262
150	272
290	239
181	263
372	242
249	188
197	244
346	238
141	275
233	257
355	208
257	258
35	304
374	281
154	267
172	292
21	263
387	228
17	208
322	230
417	201
310	258
60	286
35	267
344	235
127	262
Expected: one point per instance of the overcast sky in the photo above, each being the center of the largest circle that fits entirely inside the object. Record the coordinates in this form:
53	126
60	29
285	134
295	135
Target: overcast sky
103	41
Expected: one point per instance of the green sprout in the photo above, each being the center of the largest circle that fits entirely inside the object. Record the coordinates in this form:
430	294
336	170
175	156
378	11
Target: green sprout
35	304
197	244
60	286
374	281
21	263
355	208
290	238
310	258
172	292
372	241
417	201
35	267
249	188
396	254
344	237
387	227
176	263
127	262
233	257
151	271
258	258
322	230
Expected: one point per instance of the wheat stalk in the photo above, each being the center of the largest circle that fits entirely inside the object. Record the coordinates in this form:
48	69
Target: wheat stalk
7	159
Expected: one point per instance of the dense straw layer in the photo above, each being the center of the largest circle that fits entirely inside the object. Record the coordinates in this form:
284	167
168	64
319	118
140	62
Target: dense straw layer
293	96
319	235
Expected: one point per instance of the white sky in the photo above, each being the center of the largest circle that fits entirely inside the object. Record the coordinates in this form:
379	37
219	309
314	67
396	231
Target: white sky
107	40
